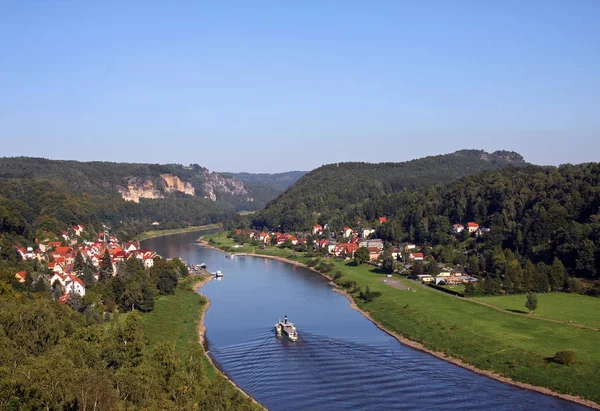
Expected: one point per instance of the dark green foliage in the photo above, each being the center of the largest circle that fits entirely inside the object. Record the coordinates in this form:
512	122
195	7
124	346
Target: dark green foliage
368	295
338	191
361	255
564	357
532	302
106	267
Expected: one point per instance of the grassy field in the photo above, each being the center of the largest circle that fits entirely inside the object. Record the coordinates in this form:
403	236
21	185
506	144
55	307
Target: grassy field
580	309
515	346
175	318
160	233
459	288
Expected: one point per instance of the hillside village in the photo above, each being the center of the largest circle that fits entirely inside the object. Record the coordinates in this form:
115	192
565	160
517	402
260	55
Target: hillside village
410	259
60	258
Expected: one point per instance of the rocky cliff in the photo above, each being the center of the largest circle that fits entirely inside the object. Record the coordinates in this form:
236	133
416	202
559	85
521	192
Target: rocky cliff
146	188
174	183
215	183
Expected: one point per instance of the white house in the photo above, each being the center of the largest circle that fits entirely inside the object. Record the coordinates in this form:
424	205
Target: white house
367	232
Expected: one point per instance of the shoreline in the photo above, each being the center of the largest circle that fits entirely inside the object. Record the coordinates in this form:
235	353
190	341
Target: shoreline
202	338
161	233
420	347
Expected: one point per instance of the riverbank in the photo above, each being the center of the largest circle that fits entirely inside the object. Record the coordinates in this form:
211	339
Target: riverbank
452	338
159	233
201	332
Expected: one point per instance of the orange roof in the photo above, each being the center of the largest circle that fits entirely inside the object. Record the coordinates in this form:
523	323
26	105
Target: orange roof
382	219
472	224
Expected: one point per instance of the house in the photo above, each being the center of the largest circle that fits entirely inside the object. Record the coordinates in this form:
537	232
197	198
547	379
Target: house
155	223
264	237
367	232
416	256
347	232
322	243
74	285
346	249
20	276
425	278
472	227
396	253
374	253
131	246
458	228
77	229
376	242
317	229
445	272
408	247
382	220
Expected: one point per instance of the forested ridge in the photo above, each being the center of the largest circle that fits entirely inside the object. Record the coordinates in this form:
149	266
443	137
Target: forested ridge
327	192
535	214
39	195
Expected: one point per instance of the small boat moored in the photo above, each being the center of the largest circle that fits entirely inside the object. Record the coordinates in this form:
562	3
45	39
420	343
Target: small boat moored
286	329
218	274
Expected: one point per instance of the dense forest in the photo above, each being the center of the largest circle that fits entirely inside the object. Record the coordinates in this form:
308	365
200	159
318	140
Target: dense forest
325	194
536	214
39	195
83	356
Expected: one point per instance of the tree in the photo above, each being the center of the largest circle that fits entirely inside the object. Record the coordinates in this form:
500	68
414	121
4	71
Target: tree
387	262
74	301
532	302
106	268
361	255
557	275
79	263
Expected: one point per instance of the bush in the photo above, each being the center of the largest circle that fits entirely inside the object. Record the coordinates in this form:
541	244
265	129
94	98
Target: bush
336	275
564	357
312	262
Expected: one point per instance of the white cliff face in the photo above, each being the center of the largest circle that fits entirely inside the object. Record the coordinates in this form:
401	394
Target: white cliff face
174	183
139	189
215	183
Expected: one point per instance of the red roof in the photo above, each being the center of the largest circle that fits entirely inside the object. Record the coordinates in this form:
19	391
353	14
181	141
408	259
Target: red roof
54	244
63	250
472	224
382	219
417	255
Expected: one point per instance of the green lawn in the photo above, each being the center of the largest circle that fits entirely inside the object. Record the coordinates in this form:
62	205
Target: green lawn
459	288
175	318
514	346
578	308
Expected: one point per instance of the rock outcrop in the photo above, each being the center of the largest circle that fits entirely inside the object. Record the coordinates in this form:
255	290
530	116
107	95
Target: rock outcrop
174	183
215	183
137	189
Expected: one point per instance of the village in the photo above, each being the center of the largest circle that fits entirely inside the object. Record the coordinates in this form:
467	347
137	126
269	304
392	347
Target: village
60	255
408	258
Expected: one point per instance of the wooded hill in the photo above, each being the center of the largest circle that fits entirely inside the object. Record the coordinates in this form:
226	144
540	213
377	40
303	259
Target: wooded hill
45	195
533	213
327	193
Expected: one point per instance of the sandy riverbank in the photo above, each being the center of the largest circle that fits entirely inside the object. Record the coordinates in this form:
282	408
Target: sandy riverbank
202	337
421	347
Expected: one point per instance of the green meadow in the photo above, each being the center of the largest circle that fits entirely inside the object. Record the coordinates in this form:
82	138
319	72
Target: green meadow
581	309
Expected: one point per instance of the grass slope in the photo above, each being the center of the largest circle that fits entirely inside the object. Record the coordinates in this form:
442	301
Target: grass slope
175	318
565	307
514	346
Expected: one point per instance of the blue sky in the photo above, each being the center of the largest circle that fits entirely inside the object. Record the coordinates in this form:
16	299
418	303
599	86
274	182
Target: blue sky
275	86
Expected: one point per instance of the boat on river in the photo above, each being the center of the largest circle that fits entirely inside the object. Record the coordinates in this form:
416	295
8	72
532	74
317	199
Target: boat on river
218	274
286	329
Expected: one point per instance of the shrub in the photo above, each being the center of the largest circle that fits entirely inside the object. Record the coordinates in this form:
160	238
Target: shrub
564	357
336	275
312	262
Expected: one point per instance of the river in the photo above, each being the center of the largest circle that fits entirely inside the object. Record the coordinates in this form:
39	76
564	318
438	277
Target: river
341	361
